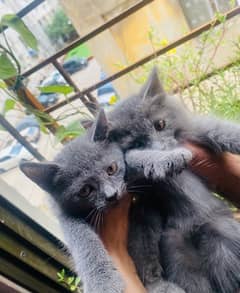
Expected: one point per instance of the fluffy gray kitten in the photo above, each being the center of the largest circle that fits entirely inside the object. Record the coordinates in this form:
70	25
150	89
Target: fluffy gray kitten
86	178
200	242
175	223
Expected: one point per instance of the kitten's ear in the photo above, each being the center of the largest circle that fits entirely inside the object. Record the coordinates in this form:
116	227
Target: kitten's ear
40	173
86	123
153	87
100	129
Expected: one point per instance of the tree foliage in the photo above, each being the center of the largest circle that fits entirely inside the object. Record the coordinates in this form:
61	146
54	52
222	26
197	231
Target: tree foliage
61	27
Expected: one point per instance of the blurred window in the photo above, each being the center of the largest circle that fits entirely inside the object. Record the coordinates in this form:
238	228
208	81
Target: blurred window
199	12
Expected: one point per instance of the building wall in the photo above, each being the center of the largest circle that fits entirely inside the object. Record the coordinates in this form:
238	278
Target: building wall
127	41
36	20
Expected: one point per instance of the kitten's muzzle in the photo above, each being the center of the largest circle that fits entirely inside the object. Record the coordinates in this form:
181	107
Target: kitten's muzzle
110	193
111	197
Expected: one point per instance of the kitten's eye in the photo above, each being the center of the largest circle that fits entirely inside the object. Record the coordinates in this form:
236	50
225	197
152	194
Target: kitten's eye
159	124
85	190
112	169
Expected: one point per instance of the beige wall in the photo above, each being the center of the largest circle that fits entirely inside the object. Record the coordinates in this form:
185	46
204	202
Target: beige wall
127	41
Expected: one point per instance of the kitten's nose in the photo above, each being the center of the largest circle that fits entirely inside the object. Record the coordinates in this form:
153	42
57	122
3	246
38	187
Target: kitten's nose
111	197
110	192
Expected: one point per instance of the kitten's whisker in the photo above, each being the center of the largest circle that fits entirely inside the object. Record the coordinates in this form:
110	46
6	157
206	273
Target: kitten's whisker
98	221
96	224
123	188
140	186
90	213
136	191
93	217
94	221
102	219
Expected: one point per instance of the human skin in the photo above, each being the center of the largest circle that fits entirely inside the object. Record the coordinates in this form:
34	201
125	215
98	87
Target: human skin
114	233
221	171
222	174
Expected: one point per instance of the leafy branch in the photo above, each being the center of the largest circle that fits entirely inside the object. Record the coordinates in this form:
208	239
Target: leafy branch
70	282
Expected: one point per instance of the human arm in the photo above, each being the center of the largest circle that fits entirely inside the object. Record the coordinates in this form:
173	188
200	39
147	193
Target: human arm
114	234
221	171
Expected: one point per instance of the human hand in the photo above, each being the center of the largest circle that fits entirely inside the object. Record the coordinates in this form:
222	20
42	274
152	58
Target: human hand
114	234
221	171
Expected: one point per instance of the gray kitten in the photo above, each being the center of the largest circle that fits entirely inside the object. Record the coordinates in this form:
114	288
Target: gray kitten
182	206
200	244
86	178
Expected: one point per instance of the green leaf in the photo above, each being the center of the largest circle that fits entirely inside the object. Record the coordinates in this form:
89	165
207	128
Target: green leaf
9	105
16	23
73	288
2	128
72	130
61	89
2	85
43	128
70	280
77	281
7	69
60	133
60	277
62	273
220	17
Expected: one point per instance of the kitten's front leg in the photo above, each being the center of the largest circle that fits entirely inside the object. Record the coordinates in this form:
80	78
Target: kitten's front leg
215	134
92	262
164	287
156	164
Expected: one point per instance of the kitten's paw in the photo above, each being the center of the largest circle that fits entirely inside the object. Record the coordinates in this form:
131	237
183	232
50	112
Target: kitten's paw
182	157
168	164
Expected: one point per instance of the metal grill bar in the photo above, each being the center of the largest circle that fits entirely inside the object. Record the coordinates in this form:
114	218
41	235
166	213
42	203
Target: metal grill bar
87	102
20	138
89	36
148	58
27	9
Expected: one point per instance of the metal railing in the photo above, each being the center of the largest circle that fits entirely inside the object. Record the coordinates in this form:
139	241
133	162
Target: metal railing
38	265
85	95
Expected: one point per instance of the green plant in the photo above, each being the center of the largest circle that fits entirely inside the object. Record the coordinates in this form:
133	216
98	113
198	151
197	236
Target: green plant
185	70
71	282
60	27
72	130
10	66
11	80
80	51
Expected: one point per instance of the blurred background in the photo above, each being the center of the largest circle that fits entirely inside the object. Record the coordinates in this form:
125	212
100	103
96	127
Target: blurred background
155	25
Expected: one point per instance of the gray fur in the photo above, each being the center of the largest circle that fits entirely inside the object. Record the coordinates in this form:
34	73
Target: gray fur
81	162
163	287
91	260
196	250
166	164
166	220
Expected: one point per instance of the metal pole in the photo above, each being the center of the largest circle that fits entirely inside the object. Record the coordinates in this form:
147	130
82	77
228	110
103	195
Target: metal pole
90	35
193	34
13	131
91	105
27	9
